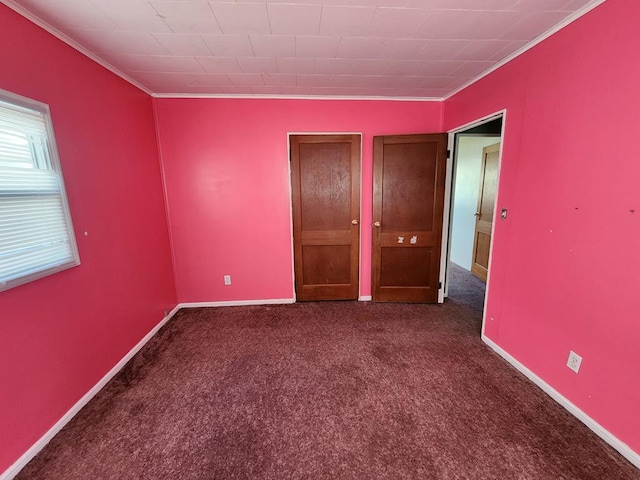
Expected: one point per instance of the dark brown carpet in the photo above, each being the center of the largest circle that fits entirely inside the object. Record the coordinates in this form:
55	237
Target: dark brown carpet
324	391
467	290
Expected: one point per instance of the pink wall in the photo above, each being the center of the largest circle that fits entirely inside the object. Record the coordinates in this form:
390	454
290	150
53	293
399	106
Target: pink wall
565	272
227	172
61	334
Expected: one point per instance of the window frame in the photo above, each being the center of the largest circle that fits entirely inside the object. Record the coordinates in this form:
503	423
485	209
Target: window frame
52	147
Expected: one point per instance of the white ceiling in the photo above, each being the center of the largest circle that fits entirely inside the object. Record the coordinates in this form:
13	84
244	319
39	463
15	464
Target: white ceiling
354	48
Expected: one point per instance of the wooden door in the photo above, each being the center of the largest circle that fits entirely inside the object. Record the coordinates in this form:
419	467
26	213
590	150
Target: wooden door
325	178
409	179
484	211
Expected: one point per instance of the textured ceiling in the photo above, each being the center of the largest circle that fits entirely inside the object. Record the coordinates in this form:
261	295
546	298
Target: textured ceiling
355	48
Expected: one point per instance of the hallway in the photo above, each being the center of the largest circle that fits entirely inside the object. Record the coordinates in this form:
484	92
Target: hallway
468	291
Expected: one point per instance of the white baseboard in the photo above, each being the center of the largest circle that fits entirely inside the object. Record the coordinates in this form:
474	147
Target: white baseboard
14	469
236	303
364	298
598	429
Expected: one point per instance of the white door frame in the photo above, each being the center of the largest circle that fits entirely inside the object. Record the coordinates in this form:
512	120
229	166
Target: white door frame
448	197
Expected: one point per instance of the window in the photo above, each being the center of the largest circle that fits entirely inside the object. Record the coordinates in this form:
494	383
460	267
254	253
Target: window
36	234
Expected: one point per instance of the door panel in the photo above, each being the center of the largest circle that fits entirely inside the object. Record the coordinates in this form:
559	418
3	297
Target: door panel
328	262
325	176
396	265
325	179
398	192
484	211
409	177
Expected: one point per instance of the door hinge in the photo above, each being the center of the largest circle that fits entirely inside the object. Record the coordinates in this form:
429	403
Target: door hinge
439	285
448	153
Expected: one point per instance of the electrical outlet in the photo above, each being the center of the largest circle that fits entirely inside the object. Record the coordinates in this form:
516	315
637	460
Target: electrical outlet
574	361
227	279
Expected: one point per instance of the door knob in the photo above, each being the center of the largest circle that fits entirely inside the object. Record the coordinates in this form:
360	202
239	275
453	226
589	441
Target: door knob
376	224
477	214
354	222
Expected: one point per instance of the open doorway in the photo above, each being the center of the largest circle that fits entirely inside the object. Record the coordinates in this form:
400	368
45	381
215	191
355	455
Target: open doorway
473	178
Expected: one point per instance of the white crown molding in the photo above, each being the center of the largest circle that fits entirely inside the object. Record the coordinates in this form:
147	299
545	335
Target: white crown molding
570	19
73	44
598	429
14	469
297	97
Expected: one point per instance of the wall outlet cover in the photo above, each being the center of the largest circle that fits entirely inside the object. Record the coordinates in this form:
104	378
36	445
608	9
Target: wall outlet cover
574	361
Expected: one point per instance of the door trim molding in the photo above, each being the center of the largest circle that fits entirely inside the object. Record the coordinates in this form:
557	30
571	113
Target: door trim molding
448	195
293	267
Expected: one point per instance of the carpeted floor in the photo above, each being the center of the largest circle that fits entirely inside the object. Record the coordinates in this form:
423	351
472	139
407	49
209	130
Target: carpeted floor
331	390
468	290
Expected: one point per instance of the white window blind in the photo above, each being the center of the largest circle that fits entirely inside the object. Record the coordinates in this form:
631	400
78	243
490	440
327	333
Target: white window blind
36	233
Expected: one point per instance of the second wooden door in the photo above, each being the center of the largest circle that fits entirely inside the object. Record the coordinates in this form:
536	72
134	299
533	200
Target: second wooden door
484	212
409	180
325	179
